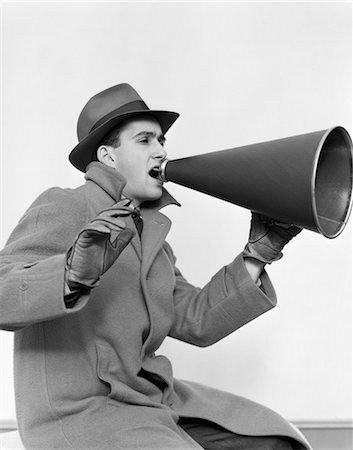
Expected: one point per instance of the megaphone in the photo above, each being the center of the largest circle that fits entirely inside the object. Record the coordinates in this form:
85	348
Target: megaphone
305	180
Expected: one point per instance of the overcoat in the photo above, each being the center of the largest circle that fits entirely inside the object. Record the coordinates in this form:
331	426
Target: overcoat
88	376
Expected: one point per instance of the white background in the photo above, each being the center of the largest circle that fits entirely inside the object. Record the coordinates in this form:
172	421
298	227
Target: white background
238	73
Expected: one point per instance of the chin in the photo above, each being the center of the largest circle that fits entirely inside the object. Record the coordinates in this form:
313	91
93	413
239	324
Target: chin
155	196
152	196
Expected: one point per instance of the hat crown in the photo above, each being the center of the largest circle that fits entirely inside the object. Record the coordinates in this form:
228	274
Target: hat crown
104	112
103	104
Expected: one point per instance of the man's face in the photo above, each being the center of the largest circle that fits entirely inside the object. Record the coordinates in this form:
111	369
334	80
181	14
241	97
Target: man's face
140	150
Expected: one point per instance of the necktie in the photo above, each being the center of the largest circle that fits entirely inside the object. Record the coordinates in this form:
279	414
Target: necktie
136	216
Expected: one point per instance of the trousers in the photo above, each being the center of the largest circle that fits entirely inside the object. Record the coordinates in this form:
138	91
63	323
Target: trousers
214	437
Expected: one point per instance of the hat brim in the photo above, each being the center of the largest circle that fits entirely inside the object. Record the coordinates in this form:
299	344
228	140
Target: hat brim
84	152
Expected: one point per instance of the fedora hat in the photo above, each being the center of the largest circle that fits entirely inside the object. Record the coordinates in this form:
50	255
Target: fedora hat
103	112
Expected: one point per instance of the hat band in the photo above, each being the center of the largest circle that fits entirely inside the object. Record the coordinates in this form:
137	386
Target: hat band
128	107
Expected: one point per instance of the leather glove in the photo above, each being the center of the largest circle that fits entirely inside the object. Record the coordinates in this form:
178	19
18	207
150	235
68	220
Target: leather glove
97	246
267	238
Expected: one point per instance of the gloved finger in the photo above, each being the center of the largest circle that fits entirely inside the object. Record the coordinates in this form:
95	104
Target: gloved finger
258	228
269	221
123	206
108	220
125	202
121	240
295	230
292	229
115	212
105	225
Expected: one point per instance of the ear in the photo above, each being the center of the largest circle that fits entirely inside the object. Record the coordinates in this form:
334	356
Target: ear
106	155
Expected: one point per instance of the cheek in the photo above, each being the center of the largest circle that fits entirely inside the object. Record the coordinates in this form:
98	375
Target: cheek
133	169
124	163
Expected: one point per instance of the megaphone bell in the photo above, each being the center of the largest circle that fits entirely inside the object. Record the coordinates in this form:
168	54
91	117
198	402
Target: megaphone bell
304	180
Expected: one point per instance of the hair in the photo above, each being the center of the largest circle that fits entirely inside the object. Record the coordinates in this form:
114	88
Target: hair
112	139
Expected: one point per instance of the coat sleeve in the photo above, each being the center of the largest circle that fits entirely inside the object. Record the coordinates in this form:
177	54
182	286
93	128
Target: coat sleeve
227	302
32	263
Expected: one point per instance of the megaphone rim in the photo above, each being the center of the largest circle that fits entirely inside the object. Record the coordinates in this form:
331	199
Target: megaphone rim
323	139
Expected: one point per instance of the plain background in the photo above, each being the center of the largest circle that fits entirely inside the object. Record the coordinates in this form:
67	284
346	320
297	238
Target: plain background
238	73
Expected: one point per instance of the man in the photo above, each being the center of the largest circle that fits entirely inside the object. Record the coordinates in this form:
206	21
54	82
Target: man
90	286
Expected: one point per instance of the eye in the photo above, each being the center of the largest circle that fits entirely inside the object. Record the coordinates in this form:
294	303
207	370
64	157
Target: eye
144	140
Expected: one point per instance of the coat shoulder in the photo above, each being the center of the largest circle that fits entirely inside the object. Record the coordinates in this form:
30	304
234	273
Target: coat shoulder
55	212
66	199
62	202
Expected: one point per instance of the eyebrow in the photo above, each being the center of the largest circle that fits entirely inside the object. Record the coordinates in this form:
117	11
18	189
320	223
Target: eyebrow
161	137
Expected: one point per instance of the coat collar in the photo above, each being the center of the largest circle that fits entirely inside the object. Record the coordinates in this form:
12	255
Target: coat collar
113	183
106	186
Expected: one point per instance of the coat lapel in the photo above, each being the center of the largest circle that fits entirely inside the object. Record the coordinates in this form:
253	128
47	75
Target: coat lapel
135	242
155	229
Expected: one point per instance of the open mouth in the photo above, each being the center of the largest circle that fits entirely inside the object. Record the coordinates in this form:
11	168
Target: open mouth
154	172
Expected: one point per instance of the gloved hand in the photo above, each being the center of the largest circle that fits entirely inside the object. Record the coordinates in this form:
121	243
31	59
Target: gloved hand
97	246
267	238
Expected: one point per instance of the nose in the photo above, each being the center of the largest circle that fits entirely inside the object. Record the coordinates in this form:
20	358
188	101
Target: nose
160	152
